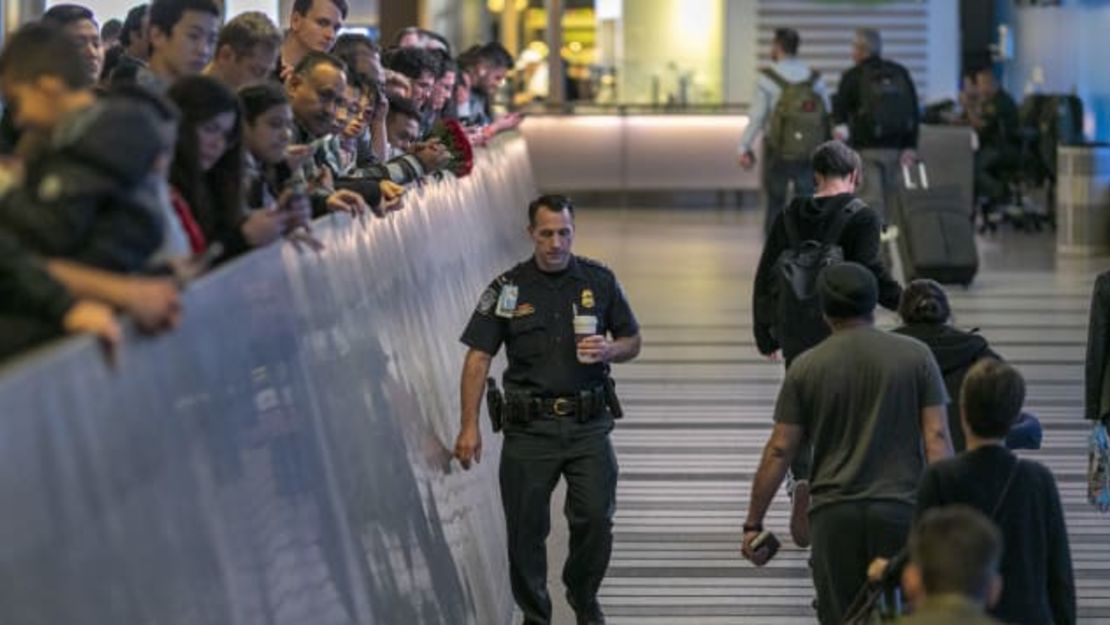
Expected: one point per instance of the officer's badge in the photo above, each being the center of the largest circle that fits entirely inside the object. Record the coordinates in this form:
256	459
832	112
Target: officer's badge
487	301
587	298
524	310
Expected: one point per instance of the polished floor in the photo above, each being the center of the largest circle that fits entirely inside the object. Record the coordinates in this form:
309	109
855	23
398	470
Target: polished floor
699	402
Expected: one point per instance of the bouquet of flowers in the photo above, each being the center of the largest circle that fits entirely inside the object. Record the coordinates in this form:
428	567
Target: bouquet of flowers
452	136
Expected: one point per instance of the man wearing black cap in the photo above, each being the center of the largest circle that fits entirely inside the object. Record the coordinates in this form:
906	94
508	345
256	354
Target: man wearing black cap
847	229
873	406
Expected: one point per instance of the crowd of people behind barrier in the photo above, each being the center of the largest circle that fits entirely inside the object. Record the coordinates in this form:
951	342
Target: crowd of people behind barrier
128	169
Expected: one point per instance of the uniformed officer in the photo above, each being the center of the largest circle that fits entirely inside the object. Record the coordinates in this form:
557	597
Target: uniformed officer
558	407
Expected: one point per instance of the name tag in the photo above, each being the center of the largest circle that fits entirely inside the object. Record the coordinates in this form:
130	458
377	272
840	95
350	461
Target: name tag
506	304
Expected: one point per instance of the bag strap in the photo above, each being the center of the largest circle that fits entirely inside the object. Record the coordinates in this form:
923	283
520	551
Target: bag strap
790	220
775	77
1005	489
840	221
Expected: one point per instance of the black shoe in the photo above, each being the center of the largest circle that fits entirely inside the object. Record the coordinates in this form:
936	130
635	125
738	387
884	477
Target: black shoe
588	616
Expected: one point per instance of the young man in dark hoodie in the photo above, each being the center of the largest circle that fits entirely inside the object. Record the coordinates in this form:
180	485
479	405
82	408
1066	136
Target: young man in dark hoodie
837	172
89	205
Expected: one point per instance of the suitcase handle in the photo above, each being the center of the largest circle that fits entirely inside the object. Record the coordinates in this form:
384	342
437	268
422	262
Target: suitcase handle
922	176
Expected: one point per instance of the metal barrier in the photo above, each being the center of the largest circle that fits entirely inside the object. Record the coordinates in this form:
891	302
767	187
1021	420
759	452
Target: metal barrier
284	457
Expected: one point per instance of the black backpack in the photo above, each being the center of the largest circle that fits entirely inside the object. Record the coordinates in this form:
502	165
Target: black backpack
800	323
888	109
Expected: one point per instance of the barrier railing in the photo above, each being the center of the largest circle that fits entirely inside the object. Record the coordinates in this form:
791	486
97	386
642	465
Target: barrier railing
284	457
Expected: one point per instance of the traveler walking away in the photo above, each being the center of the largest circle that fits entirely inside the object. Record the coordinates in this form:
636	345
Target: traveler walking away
872	405
791	109
555	313
876	110
813	232
926	317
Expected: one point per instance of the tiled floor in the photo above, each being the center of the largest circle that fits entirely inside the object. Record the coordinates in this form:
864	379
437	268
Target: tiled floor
699	401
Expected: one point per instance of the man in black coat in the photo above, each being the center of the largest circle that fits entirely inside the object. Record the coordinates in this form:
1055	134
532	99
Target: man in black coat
1020	496
837	171
877	111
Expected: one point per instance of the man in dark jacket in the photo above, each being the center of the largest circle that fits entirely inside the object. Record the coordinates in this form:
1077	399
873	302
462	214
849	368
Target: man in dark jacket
90	191
836	169
34	307
876	110
837	172
1021	496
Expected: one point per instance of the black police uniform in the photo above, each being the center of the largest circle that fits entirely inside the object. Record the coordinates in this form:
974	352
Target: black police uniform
549	432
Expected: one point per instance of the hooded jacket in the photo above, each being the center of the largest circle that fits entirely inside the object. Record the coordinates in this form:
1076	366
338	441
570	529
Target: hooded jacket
859	239
955	351
91	195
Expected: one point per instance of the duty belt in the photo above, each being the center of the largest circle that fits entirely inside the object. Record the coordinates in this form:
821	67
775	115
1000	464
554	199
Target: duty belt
524	407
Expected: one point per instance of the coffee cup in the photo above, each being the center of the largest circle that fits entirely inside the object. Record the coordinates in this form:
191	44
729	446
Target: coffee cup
584	325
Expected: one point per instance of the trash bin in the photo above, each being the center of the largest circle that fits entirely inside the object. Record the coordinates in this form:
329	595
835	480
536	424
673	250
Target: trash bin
1083	199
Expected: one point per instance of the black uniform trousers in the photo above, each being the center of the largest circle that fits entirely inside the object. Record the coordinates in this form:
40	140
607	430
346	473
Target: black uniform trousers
846	537
777	176
533	458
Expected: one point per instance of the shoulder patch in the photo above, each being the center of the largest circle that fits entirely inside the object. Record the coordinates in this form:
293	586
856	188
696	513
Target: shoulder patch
487	301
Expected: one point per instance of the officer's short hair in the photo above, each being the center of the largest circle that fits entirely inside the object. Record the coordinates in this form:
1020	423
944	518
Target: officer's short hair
788	39
552	202
957	549
834	159
869	39
991	398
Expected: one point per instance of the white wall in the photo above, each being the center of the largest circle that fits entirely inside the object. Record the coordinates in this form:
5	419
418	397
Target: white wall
933	58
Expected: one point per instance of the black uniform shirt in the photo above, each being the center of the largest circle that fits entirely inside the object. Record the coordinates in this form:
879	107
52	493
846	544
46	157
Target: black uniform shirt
539	338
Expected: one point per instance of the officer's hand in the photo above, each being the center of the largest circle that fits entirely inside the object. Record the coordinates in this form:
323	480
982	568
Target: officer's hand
595	348
775	356
467	446
747	160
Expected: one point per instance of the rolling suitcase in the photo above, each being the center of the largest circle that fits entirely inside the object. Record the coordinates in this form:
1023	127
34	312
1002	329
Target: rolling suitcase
936	238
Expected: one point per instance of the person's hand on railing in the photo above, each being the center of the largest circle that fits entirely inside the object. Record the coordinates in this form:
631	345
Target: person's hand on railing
392	197
263	227
154	303
92	317
433	155
347	201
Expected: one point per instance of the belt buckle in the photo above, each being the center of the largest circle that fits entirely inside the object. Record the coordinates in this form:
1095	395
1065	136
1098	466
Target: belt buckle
562	407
